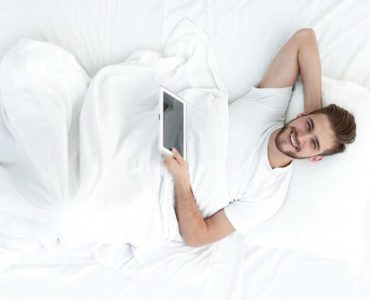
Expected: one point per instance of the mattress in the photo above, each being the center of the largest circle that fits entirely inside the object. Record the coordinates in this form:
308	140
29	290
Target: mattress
245	36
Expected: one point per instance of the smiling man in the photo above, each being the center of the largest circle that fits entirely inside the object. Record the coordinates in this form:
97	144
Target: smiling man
262	148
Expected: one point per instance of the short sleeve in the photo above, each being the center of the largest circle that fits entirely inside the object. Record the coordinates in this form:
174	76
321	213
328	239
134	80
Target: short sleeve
262	107
261	201
276	99
245	216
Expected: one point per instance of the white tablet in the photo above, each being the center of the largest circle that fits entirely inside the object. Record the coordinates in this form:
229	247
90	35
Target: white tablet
172	120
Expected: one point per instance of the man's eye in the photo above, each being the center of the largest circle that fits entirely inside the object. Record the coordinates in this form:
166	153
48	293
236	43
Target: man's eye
309	126
313	144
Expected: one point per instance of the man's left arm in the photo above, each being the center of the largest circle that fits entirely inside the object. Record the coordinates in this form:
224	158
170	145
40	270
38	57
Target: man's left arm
299	55
310	71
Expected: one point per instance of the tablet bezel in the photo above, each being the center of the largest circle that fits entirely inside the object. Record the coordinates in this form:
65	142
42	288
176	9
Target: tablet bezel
163	149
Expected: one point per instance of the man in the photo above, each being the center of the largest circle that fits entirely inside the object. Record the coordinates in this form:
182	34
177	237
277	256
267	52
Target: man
262	149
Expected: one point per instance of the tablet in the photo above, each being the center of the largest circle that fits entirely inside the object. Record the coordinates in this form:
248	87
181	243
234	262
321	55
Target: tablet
172	120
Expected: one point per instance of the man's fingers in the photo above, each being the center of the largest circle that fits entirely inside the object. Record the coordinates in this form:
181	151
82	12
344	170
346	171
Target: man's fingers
169	160
177	154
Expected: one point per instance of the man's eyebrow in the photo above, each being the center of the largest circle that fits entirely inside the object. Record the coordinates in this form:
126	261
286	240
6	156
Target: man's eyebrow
312	124
313	127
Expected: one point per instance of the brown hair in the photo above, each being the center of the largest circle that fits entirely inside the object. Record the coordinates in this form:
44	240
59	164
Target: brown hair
342	123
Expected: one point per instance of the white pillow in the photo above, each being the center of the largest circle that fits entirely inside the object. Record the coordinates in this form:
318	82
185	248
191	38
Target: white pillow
326	201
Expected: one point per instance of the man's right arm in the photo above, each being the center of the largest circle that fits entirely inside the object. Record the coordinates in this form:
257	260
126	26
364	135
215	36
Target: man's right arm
299	55
195	230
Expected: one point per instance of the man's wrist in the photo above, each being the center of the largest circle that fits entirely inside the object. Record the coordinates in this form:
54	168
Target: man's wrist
182	183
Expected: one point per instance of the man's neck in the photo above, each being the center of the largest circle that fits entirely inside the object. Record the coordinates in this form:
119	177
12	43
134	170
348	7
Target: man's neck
276	158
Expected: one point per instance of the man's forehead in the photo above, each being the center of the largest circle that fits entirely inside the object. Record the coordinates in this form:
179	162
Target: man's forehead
320	120
323	129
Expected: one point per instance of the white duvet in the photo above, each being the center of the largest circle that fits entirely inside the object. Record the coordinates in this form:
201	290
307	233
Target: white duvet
84	170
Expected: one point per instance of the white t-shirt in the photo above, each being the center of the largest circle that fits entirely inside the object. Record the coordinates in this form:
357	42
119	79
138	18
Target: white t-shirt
257	190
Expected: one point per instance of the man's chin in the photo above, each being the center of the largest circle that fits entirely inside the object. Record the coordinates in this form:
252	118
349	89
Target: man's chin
290	154
293	155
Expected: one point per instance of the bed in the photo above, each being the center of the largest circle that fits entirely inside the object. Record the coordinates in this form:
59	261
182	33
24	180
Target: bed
244	36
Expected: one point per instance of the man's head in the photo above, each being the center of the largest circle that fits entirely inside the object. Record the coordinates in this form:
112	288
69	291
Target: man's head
319	133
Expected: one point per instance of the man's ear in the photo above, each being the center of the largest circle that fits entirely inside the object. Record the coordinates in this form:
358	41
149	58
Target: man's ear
315	158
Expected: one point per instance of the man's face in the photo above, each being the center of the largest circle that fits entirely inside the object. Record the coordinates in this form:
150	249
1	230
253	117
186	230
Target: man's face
307	136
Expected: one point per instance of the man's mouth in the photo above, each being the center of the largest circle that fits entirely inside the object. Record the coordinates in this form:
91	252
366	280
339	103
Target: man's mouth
293	140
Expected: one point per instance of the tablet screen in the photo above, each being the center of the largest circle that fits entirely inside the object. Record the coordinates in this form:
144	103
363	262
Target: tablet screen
173	123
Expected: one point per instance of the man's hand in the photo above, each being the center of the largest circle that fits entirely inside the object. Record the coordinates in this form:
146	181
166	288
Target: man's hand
178	167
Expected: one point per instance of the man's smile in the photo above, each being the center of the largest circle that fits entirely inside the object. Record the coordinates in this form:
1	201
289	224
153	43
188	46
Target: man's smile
293	140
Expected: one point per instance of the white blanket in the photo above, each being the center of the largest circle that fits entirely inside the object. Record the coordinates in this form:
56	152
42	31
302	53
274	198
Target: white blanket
100	175
42	88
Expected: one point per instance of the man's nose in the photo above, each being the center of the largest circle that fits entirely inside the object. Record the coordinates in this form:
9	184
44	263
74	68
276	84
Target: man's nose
304	137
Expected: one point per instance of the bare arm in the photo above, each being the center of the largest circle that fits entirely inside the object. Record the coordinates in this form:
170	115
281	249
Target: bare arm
195	230
300	55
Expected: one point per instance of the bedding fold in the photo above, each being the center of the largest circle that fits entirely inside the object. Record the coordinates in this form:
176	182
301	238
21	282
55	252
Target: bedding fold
88	168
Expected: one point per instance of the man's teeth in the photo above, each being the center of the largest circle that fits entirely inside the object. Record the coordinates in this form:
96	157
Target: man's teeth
292	140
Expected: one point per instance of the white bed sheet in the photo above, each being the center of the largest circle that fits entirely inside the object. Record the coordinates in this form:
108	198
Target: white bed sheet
265	273
97	32
245	36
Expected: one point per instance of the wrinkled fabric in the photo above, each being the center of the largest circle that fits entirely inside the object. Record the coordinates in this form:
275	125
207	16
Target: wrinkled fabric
87	170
